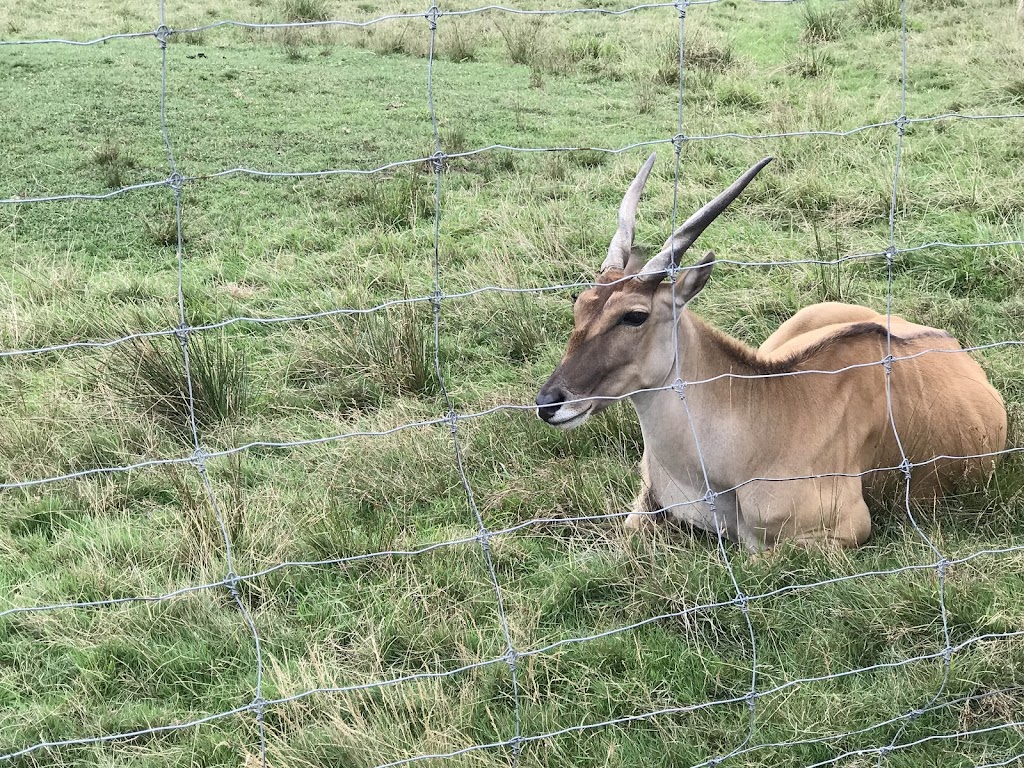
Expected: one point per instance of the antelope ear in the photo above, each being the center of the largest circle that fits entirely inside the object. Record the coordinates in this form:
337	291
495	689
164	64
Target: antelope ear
694	278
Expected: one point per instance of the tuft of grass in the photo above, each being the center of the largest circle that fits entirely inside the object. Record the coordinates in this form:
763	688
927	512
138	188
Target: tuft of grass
150	373
189	37
387	41
370	358
114	162
457	46
523	40
454	139
701	54
811	62
397	203
524	330
822	23
1014	91
878	14
305	10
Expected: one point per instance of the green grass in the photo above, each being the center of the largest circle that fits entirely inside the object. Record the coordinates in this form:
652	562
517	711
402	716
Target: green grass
86	119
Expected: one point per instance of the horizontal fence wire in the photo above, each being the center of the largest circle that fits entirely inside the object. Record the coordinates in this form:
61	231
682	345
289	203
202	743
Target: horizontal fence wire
483	538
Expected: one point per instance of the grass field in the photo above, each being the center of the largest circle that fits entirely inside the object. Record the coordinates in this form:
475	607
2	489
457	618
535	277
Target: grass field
87	120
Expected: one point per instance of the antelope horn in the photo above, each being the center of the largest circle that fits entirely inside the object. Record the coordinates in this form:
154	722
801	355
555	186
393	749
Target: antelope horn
622	242
691	229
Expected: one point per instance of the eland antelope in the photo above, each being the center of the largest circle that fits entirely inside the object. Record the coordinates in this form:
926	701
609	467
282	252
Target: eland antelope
810	404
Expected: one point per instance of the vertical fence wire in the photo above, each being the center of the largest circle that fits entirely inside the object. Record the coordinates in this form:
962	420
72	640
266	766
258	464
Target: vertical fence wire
175	183
483	534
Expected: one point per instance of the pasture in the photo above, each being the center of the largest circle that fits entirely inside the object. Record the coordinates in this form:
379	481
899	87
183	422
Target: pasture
623	644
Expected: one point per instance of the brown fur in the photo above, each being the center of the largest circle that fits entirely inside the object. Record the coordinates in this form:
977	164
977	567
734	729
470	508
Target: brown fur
755	417
778	443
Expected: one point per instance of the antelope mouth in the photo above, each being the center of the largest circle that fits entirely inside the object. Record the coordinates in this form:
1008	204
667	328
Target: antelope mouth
566	418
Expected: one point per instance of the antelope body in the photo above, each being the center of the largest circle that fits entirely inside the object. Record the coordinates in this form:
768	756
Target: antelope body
810	404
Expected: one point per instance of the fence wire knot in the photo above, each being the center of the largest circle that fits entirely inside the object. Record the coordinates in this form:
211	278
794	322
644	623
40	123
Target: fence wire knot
679	387
435	300
453	421
890	256
175	181
181	333
681	7
199	459
162	33
432	15
231	582
511	657
484	537
906	467
677	141
437	161
901	124
887	364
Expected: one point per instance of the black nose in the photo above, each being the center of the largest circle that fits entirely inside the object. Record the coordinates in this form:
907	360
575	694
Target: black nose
549	401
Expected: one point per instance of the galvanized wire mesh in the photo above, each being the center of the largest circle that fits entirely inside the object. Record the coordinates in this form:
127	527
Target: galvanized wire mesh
516	741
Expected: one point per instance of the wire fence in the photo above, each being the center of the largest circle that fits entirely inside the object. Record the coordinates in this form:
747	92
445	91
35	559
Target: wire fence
517	740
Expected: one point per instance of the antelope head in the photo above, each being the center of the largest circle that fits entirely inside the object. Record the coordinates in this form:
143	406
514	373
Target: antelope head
622	340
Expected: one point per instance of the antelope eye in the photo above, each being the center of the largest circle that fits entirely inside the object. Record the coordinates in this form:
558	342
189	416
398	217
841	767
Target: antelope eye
633	319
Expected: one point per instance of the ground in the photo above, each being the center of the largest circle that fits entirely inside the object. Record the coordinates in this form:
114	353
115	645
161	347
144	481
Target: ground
315	402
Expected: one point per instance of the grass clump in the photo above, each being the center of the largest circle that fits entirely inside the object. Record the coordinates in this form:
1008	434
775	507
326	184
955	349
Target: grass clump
879	14
701	53
456	46
370	358
150	373
114	163
523	40
822	24
305	10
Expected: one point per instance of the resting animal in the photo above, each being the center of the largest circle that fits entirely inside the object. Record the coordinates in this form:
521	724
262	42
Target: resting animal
811	401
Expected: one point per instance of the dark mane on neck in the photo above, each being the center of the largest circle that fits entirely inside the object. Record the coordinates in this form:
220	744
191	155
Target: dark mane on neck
748	359
745	357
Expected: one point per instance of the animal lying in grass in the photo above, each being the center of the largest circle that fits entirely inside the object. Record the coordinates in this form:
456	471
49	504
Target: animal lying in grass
811	401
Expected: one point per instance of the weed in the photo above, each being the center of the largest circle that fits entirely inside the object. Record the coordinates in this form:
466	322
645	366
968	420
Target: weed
189	37
163	232
454	140
396	203
646	97
878	14
114	162
369	358
812	61
292	41
822	23
150	372
522	39
523	330
739	95
587	158
830	275
1014	91
386	41
306	10
457	46
701	54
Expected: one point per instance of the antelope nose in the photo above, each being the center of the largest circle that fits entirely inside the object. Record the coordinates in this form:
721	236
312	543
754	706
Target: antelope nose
549	401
